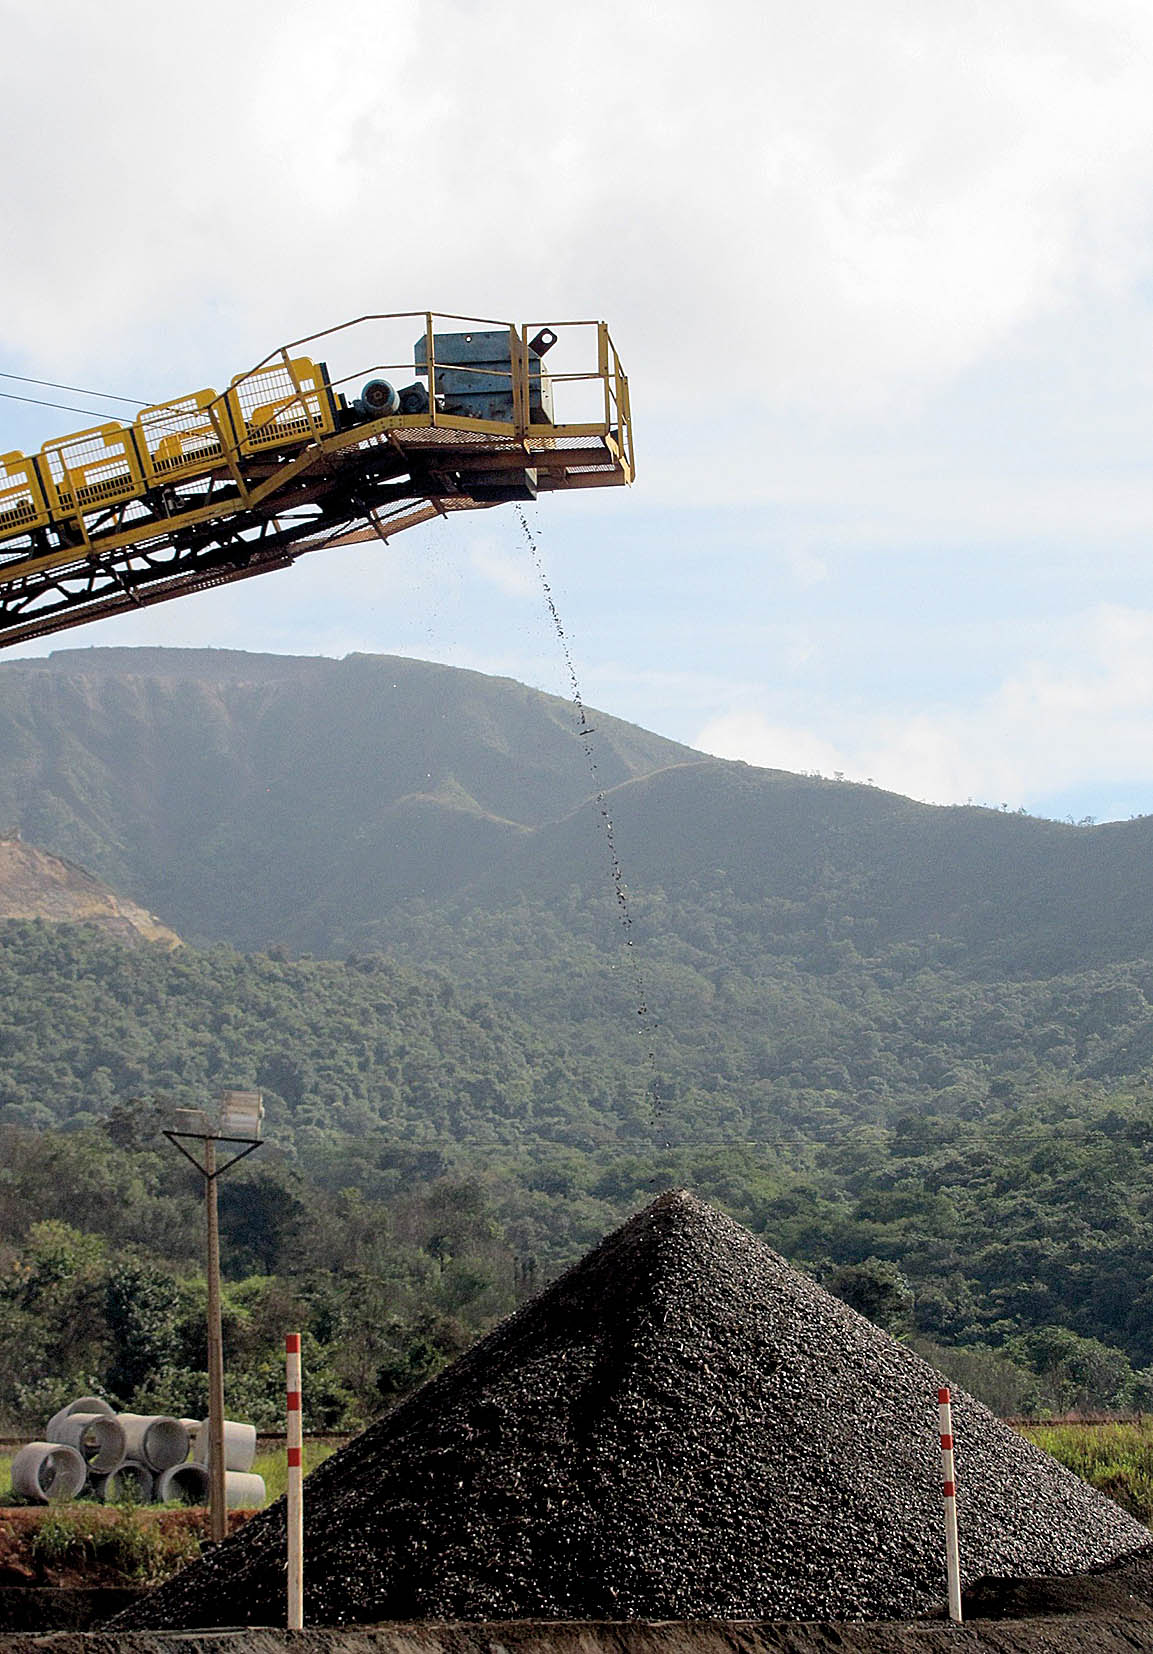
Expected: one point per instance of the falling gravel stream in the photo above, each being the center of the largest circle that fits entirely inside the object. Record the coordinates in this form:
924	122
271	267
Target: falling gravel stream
585	730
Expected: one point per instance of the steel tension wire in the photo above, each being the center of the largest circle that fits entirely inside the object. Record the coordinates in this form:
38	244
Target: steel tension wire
585	731
55	385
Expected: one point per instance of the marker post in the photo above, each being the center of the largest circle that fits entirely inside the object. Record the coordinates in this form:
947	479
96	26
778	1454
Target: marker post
948	1472
295	1486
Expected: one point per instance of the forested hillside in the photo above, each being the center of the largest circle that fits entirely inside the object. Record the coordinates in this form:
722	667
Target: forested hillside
735	863
911	1046
431	1158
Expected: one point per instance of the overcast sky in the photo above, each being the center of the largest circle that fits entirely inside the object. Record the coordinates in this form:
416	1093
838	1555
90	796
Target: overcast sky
880	275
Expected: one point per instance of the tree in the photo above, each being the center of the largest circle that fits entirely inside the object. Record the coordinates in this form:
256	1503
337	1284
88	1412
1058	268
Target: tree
142	1308
1080	1374
875	1289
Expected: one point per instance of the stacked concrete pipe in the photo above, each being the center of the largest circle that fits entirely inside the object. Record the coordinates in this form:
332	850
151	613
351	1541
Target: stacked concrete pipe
156	1440
187	1483
99	1438
131	1480
47	1472
243	1488
146	1457
82	1404
239	1445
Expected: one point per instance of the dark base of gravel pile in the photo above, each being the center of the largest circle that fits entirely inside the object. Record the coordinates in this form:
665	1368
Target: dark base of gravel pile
61	1608
682	1427
1074	1635
1121	1590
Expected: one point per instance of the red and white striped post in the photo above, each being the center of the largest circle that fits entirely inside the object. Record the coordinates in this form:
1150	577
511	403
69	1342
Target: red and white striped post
295	1486
948	1472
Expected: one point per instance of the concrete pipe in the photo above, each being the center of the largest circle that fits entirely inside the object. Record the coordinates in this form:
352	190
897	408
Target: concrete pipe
132	1482
239	1445
244	1492
159	1441
82	1404
187	1484
48	1471
98	1439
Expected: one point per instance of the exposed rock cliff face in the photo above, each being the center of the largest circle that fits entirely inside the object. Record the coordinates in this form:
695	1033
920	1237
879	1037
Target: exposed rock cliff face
35	885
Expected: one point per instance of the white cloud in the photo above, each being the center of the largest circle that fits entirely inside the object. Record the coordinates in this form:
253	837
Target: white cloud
880	274
854	198
805	565
749	735
1042	730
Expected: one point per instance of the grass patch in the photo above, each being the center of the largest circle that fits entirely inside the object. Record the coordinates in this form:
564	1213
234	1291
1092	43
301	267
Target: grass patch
128	1548
273	1466
1115	1458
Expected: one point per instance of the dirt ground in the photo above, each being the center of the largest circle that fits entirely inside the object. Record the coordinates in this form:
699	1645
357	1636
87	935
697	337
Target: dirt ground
1068	1635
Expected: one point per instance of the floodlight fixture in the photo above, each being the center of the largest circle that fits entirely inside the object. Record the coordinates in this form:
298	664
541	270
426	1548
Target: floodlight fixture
241	1115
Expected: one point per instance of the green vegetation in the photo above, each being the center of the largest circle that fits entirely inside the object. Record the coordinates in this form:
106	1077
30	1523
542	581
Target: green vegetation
86	1024
137	1550
81	1541
273	1465
976	1236
910	1047
434	1158
1117	1458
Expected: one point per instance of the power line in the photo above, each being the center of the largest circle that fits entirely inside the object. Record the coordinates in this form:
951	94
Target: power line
80	390
69	407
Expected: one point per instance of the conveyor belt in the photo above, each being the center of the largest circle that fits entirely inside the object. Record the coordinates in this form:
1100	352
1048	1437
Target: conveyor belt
208	489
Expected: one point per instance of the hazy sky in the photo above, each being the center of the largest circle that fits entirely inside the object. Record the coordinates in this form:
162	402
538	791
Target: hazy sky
880	274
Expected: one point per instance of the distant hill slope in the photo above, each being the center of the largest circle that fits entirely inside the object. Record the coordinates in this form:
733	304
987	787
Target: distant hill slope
379	801
768	855
255	797
35	885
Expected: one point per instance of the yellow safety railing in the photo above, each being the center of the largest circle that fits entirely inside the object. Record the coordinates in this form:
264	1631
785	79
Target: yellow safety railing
280	405
22	502
543	399
98	467
184	437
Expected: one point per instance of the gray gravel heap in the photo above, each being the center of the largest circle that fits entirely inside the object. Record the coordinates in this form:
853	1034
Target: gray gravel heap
681	1427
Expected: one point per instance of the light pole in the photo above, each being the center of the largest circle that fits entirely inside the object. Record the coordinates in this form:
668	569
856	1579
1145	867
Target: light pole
237	1122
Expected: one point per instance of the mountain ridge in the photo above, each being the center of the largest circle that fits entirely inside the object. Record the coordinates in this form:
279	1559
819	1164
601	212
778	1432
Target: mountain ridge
874	867
325	804
226	789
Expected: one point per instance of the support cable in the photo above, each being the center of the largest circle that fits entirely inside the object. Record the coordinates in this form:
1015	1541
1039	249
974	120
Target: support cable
69	407
79	390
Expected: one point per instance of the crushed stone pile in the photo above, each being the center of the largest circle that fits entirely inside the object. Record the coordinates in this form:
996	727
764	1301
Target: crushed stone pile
680	1427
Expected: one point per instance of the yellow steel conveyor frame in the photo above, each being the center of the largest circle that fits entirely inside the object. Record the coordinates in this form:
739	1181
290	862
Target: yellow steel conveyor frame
209	488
